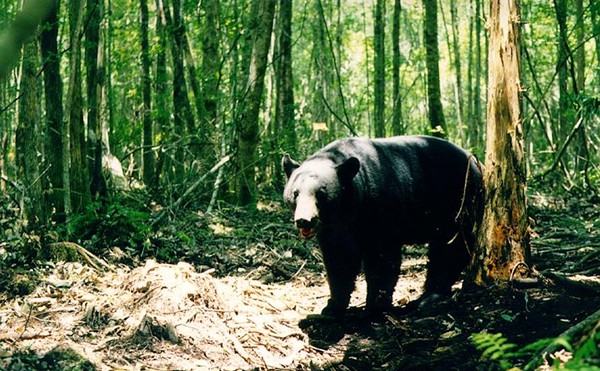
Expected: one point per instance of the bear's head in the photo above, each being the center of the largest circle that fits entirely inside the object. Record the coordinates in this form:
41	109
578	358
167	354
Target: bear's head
316	190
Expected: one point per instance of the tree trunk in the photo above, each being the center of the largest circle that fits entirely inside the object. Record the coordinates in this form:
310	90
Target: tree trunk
26	144
285	128
211	63
183	118
249	127
148	132
200	139
457	65
54	127
95	79
78	174
432	57
595	10
397	127
503	240
162	92
561	66
476	112
379	68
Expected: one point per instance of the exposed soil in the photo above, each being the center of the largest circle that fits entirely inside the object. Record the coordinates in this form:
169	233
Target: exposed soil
162	316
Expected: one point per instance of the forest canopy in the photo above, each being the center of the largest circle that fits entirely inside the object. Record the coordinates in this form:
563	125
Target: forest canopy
154	94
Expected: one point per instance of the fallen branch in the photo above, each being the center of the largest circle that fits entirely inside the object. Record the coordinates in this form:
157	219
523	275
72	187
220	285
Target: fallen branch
85	254
572	286
191	189
570	336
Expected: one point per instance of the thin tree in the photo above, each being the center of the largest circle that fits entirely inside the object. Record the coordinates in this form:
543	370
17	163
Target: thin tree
161	101
432	58
249	127
457	63
148	132
595	10
503	240
211	63
95	80
53	127
397	126
379	68
284	83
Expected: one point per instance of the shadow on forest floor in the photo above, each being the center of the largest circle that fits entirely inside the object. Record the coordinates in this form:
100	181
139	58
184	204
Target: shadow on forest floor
257	310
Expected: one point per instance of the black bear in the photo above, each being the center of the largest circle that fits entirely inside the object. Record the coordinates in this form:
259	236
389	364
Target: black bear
364	199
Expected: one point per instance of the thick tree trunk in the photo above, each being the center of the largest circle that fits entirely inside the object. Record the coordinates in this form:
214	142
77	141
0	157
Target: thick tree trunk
379	68
249	127
432	57
26	144
503	243
54	127
78	174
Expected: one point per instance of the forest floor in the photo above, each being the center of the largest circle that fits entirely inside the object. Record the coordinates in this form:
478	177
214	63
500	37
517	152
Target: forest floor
256	309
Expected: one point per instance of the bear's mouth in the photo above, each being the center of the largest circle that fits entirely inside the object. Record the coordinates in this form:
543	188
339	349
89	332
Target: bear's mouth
307	233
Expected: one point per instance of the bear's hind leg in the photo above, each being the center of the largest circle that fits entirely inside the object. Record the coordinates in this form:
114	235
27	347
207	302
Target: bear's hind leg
446	263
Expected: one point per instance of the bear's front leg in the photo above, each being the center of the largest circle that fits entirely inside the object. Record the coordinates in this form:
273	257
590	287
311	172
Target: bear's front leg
342	266
382	267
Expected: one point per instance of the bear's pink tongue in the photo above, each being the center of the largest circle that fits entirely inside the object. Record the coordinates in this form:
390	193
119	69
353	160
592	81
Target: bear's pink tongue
307	232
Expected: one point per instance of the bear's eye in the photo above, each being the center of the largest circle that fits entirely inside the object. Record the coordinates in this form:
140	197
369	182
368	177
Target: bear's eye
296	193
321	195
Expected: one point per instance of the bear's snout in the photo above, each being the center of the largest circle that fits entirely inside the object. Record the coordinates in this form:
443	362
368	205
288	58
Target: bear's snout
307	228
303	223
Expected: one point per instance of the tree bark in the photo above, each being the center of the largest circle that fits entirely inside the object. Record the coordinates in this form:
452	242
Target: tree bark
503	240
379	68
432	57
183	120
162	92
95	80
397	126
27	131
78	170
457	64
54	127
148	129
249	127
211	63
595	10
561	65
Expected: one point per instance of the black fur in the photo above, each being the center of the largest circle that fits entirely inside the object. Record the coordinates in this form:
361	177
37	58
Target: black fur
373	196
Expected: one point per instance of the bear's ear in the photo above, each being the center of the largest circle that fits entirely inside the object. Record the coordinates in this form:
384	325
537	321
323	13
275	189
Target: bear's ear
348	169
289	165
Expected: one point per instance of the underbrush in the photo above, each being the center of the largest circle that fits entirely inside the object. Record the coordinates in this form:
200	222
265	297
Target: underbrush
133	228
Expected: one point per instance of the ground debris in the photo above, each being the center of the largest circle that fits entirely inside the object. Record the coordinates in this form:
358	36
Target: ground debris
166	317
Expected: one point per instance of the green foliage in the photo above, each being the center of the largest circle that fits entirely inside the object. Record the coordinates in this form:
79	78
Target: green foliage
60	358
120	224
509	356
